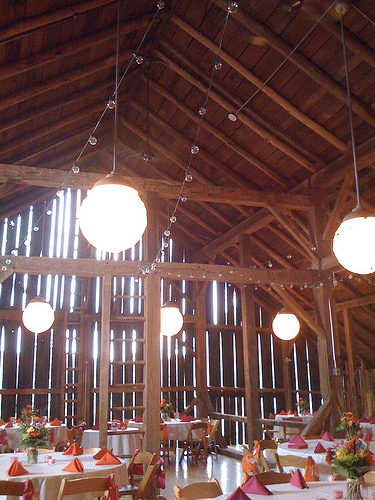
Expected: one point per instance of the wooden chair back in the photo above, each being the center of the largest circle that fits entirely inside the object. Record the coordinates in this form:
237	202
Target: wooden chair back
147	484
145	458
210	438
270	477
210	489
195	441
74	435
12	488
83	485
266	444
197	431
285	461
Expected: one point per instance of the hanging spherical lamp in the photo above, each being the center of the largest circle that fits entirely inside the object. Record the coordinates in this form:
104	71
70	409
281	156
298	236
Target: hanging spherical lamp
38	315
285	325
354	242
112	217
171	320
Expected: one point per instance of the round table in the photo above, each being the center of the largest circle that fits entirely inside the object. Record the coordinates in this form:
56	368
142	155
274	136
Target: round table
177	430
123	442
319	489
325	470
47	478
58	433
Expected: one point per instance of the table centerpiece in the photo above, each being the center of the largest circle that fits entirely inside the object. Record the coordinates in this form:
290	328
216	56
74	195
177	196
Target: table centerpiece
349	424
34	432
166	409
303	406
352	461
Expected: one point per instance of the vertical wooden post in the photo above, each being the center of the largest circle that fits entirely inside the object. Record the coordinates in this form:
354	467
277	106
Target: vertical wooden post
151	394
250	351
104	360
351	402
201	326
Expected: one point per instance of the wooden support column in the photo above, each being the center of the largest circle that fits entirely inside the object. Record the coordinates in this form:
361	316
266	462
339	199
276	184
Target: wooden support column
287	351
104	360
151	394
250	351
200	349
351	394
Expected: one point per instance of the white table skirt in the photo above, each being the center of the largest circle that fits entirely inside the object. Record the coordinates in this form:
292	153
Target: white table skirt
122	442
47	478
280	432
317	490
177	430
325	470
14	435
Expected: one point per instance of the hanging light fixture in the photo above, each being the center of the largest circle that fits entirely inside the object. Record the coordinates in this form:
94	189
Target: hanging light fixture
285	325
171	320
112	217
354	241
38	315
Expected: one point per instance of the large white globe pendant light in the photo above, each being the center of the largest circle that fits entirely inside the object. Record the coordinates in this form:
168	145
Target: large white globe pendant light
285	325
38	315
354	240
171	320
112	217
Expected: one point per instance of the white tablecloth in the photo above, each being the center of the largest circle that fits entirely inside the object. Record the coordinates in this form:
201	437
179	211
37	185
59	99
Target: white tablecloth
315	491
47	478
14	435
122	442
281	432
325	470
177	430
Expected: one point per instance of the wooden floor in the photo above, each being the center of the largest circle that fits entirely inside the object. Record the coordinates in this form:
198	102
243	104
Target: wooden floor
226	470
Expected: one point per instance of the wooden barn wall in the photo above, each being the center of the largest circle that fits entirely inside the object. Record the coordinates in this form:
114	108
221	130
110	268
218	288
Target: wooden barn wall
226	369
58	371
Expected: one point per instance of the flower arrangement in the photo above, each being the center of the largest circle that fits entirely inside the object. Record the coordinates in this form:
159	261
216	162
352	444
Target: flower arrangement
349	424
166	407
302	405
352	461
33	428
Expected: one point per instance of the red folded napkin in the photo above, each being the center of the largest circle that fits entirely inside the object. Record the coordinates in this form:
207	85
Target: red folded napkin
124	425
8	424
187	418
73	449
16	469
95	427
297	442
363	420
319	448
372	420
56	422
100	453
295	414
108	459
18	420
138	419
326	436
74	466
283	412
68	451
256	487
2	421
289	412
238	494
298	481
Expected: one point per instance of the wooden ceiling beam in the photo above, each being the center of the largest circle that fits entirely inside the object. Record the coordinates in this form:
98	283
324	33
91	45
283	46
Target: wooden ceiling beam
335	214
54	178
179	163
230	174
183	271
290	241
352	42
69	49
353	303
292	228
303	63
265	129
272	94
252	159
53	16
